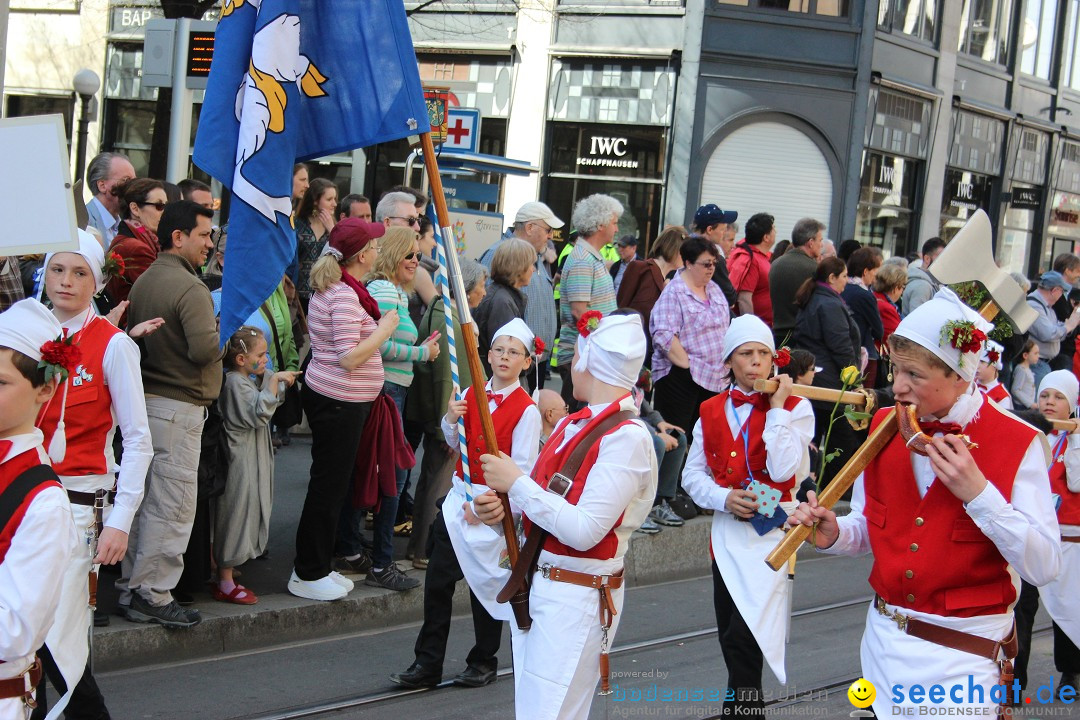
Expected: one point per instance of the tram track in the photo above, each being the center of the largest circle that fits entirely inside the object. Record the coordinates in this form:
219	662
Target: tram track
378	698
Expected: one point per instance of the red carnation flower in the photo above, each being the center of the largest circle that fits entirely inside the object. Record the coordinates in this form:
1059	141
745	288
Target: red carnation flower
59	358
782	357
538	347
993	356
589	322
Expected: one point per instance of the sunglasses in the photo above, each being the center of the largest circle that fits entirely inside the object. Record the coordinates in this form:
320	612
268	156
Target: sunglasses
411	219
412	255
159	205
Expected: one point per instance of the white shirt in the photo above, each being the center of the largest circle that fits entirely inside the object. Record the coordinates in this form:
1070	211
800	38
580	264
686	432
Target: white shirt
124	380
33	569
526	435
1072	470
1024	531
622	482
105	222
787	437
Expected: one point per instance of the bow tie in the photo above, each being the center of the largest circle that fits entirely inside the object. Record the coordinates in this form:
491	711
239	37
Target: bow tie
939	427
981	387
583	414
758	400
496	398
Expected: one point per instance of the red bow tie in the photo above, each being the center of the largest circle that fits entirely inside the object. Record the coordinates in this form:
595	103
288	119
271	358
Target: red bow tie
981	387
939	427
583	414
758	400
496	398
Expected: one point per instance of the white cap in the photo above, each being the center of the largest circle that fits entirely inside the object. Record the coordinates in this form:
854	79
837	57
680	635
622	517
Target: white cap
614	352
926	324
537	211
91	251
744	329
1064	382
516	328
992	346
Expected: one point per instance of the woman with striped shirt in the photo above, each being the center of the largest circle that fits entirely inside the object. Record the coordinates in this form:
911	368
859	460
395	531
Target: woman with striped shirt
391	283
343	378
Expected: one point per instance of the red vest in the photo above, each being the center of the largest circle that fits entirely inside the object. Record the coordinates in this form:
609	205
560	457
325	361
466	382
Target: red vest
996	393
549	462
505	419
8	472
88	418
1069	511
928	553
726	455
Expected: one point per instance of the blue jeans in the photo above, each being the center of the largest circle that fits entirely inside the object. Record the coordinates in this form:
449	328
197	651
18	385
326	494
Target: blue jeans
670	464
384	519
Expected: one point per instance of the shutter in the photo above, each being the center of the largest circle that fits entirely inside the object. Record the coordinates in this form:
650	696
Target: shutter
773	168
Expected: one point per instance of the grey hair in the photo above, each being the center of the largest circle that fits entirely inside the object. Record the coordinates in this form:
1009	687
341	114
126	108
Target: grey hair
472	274
734	227
98	169
805	230
388	204
592	212
897	260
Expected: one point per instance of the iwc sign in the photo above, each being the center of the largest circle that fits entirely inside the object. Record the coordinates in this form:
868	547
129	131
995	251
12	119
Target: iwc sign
606	151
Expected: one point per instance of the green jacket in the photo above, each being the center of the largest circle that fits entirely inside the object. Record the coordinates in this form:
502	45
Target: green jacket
282	321
432	384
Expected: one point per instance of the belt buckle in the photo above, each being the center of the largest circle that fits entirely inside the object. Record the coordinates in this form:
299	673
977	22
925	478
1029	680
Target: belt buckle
898	618
545	570
99	499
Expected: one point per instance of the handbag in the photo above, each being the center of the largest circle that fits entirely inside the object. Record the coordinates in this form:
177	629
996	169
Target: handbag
290	412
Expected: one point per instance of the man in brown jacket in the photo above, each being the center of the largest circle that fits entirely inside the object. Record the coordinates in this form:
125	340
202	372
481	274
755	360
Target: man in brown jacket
181	375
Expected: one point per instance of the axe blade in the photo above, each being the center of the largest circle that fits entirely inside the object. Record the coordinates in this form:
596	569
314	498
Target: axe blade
969	256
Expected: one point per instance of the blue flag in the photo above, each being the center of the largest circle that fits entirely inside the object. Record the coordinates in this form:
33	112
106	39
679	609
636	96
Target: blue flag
293	80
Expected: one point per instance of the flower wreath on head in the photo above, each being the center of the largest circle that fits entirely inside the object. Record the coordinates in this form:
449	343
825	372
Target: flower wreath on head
589	322
59	358
782	357
114	266
963	336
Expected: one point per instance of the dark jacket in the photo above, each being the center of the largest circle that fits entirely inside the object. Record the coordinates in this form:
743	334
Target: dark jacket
641	286
826	327
501	305
721	278
864	308
786	274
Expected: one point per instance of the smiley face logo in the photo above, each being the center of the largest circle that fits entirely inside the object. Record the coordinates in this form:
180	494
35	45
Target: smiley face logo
861	694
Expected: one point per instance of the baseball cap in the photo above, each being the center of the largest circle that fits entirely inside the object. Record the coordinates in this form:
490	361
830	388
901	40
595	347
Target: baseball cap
537	211
1052	279
711	214
627	241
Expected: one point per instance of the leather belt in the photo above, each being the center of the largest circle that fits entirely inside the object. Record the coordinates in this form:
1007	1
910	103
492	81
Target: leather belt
964	642
1070	538
91	499
605	584
22	686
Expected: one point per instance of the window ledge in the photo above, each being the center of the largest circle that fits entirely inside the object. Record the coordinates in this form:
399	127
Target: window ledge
908	41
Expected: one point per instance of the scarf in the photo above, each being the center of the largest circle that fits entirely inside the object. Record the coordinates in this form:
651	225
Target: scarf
366	301
145	234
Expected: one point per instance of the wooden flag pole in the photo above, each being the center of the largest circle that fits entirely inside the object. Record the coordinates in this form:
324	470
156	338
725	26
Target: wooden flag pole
472	354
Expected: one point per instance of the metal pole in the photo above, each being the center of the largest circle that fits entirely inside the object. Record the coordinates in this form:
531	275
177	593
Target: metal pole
180	125
83	133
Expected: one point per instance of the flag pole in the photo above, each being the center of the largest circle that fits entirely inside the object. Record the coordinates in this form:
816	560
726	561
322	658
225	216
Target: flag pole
469	345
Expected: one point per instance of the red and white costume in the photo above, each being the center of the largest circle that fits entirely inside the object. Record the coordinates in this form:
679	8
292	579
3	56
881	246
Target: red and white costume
479	547
950	564
1060	594
556	662
36	548
997	392
778	441
104	391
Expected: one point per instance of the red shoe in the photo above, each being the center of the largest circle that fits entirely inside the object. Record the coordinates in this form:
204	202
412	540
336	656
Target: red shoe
240	595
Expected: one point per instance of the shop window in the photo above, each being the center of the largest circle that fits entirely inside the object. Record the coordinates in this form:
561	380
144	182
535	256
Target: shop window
965	192
1016	239
1037	37
917	18
129	129
827	8
1071	68
886	213
984	29
24	105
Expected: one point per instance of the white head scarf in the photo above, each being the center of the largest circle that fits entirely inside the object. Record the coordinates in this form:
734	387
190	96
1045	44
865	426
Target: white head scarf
614	351
1064	382
91	251
516	328
744	329
999	349
927	322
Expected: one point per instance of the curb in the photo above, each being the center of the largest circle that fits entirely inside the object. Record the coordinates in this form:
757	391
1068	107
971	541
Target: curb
281	618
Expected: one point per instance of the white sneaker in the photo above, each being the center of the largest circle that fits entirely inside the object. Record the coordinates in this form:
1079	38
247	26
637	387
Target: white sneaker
322	589
342	581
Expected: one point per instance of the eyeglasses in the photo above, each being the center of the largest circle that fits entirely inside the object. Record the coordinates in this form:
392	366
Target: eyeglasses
706	265
412	255
409	220
547	228
159	205
511	353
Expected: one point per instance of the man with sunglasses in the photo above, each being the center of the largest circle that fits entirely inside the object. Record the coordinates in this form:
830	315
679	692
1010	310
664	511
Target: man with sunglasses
396	209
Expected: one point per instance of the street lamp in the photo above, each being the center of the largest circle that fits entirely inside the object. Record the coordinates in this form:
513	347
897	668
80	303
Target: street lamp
86	82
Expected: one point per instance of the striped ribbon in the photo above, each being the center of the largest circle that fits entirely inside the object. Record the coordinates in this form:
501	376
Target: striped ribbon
443	283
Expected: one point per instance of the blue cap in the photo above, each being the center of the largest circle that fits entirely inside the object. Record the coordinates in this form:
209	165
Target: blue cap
1052	279
711	214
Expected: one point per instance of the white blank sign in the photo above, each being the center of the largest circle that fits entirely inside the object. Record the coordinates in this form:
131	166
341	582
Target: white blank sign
35	188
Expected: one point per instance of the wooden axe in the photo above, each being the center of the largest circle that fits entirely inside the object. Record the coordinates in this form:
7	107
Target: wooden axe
968	257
